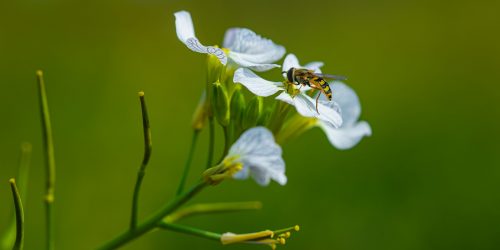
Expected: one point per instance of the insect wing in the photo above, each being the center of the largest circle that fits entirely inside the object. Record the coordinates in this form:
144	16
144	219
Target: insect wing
333	77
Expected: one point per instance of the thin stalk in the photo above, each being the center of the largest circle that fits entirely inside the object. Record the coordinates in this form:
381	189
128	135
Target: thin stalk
147	155
50	162
18	245
22	183
190	230
153	221
227	142
189	159
211	141
211	208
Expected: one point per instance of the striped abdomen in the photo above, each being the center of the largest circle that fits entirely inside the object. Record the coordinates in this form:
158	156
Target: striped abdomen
325	87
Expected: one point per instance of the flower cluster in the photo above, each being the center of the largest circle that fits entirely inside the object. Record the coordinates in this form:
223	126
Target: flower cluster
260	121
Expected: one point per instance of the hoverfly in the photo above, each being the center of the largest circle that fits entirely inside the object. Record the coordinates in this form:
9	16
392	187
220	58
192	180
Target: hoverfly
306	77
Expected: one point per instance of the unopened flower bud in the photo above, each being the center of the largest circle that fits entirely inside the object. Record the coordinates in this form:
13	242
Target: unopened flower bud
253	112
237	107
220	104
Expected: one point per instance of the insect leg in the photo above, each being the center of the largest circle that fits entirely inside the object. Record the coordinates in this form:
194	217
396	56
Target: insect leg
317	99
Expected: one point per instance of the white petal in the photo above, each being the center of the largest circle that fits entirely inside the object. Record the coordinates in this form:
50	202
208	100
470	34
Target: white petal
330	112
184	25
251	50
260	155
255	83
195	45
243	61
305	105
348	102
290	61
185	33
347	137
316	66
285	97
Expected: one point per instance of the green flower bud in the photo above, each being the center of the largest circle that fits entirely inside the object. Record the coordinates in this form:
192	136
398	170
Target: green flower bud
220	104
237	107
253	112
201	113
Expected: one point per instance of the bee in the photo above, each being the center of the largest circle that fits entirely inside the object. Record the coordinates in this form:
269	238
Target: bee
306	77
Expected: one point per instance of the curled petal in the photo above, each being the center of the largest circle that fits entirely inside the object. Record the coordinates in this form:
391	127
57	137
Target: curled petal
185	33
184	25
255	83
260	155
348	136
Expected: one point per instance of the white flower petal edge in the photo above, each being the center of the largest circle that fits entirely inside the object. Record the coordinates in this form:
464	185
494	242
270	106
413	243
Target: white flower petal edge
291	61
351	132
250	50
260	156
255	83
185	32
347	137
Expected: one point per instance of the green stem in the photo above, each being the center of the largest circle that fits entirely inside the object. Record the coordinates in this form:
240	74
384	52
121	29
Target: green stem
211	208
153	221
50	161
227	142
188	162
190	230
9	237
147	155
211	141
19	216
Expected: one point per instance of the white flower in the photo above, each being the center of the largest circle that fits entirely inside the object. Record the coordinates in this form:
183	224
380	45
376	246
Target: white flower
260	156
352	131
328	111
245	48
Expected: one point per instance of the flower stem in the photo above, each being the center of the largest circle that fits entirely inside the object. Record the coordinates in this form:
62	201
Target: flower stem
50	161
210	208
19	216
211	141
153	221
9	237
227	142
147	155
190	230
188	162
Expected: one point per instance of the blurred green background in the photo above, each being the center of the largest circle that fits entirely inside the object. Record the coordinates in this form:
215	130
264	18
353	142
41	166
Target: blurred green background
427	73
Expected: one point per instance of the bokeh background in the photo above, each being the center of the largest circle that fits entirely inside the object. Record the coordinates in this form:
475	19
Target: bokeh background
427	73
